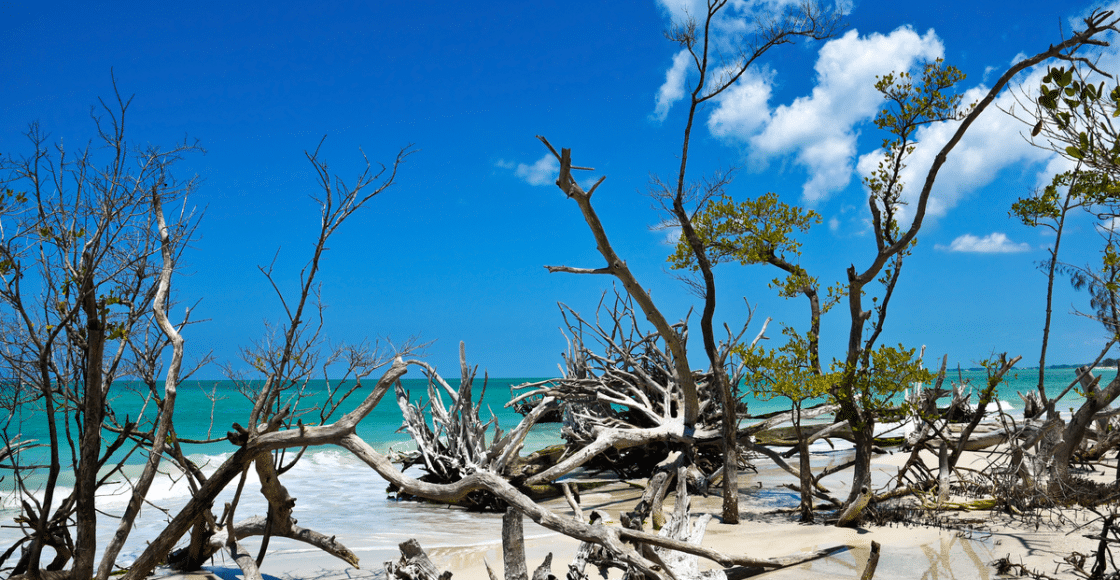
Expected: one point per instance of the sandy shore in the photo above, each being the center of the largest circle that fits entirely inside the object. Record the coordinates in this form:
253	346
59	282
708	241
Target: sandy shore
768	529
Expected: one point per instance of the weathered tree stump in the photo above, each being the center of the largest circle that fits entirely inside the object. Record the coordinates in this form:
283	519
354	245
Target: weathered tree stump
513	545
414	564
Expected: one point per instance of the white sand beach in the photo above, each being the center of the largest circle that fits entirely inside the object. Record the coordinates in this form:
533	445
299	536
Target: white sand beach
965	547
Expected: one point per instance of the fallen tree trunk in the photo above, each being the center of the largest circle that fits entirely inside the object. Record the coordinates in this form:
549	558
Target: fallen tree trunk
608	438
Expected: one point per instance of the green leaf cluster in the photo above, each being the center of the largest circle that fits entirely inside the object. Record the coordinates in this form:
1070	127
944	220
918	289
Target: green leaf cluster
785	371
1067	98
911	103
889	372
1082	188
754	231
915	104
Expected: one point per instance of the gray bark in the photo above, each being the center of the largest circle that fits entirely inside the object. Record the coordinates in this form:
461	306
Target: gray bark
414	564
1078	425
544	571
513	546
167	408
617	268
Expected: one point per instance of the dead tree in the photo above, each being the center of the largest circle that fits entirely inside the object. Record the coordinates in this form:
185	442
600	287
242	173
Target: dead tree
615	540
620	392
77	286
995	377
892	239
167	405
414	564
681	376
283	361
453	441
1079	424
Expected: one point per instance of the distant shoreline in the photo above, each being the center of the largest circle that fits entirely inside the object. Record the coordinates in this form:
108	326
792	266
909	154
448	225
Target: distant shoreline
1101	367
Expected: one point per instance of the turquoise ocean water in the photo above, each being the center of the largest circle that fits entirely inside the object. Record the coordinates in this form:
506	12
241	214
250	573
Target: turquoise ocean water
335	492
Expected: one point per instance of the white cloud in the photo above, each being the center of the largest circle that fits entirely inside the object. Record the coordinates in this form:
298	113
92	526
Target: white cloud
678	10
543	172
728	28
672	232
1108	225
994	142
1054	165
742	109
673	89
737	16
820	128
993	243
819	131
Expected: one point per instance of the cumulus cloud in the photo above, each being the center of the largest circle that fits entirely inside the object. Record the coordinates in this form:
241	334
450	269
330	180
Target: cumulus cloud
993	243
994	142
678	10
742	109
737	19
1054	165
673	89
1109	225
819	129
543	172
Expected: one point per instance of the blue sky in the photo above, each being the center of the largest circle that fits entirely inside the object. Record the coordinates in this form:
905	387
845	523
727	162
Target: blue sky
456	249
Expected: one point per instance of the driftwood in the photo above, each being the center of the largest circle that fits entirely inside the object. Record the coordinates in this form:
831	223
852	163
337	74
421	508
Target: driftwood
986	396
774	419
787	436
654	495
585	554
618	542
680	530
513	546
1096	401
682	527
258	526
627	395
456	443
1032	405
872	562
849	516
544	571
414	564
